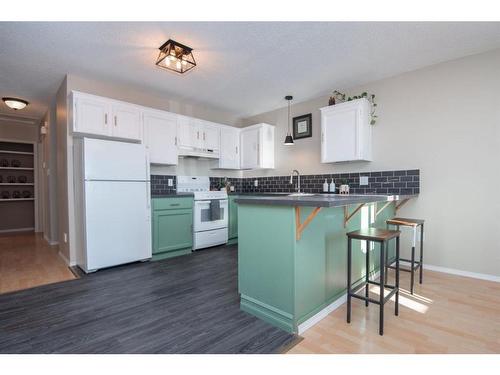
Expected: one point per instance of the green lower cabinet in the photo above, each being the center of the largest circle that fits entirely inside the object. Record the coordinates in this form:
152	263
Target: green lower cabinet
285	281
172	227
233	220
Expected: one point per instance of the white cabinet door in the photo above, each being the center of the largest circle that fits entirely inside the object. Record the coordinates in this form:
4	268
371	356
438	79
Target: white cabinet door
346	132
210	137
161	138
250	153
229	156
91	115
188	132
126	122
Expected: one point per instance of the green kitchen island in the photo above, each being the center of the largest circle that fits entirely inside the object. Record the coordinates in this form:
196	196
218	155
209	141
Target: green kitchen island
292	252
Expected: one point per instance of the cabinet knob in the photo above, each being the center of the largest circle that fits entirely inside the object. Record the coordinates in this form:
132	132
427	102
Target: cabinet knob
106	118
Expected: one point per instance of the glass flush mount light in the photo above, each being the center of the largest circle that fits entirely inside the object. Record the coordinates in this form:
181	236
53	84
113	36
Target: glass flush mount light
15	103
176	57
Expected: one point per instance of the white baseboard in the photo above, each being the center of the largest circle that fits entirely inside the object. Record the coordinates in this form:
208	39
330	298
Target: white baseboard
66	260
474	275
17	230
315	319
51	243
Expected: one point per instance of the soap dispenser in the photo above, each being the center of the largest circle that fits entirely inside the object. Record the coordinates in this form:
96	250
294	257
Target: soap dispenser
332	186
325	187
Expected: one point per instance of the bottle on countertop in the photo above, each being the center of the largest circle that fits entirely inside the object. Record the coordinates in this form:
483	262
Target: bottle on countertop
332	186
325	187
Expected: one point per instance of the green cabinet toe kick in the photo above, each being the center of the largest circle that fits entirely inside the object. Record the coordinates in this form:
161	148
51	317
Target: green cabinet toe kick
286	277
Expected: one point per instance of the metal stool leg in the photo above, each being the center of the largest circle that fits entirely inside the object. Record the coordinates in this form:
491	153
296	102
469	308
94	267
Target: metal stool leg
367	287
421	253
412	269
349	280
382	278
386	262
396	308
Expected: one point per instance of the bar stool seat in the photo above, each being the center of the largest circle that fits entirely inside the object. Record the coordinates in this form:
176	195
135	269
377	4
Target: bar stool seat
414	265
381	236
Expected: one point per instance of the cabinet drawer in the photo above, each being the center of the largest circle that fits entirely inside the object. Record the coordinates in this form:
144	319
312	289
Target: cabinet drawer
173	203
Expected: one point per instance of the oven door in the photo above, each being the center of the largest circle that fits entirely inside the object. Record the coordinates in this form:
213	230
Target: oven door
202	220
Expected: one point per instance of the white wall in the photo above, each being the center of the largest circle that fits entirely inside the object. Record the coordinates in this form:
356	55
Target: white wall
19	131
445	121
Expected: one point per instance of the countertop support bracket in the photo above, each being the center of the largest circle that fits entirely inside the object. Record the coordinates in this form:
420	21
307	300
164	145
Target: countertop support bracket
299	227
398	206
379	210
348	216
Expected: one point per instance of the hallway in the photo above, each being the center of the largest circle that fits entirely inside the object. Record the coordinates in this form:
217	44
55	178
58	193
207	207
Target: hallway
26	261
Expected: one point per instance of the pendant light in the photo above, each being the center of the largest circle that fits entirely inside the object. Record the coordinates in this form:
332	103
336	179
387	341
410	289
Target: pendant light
288	138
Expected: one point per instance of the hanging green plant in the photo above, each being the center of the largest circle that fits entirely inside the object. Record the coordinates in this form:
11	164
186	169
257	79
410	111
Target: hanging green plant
341	97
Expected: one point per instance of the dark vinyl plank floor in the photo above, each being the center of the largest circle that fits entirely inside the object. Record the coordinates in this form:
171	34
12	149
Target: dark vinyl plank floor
188	304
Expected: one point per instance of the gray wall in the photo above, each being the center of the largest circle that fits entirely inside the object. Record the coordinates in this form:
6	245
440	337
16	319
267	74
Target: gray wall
443	120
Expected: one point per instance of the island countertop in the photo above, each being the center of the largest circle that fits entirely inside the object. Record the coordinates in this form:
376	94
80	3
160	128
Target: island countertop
319	200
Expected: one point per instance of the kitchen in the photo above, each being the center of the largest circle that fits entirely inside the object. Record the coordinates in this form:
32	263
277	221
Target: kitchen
236	226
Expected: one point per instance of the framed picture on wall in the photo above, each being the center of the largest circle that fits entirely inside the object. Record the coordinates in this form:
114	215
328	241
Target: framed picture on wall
302	126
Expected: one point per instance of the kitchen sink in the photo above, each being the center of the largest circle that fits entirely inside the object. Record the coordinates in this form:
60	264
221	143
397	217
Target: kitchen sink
300	194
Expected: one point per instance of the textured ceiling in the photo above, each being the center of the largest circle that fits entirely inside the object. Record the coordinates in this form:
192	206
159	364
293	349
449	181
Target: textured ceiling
243	68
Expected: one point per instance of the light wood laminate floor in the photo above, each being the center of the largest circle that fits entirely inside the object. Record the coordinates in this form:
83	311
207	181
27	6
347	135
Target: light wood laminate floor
447	314
27	260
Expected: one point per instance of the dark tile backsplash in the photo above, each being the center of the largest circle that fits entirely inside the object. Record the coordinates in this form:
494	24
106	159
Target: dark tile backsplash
159	185
383	182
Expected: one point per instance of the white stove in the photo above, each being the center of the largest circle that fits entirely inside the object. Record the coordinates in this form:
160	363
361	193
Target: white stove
210	211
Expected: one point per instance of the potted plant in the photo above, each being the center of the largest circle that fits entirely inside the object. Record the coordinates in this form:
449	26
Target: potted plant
341	97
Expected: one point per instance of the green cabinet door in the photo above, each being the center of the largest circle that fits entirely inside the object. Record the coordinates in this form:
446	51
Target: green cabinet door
172	232
233	219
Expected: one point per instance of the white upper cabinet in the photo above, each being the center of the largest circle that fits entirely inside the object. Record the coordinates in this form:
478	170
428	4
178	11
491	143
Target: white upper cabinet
211	137
257	147
188	132
91	115
95	115
126	122
346	132
160	137
229	156
198	137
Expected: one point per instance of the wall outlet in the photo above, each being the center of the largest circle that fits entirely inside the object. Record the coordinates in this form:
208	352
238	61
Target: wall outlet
170	182
231	188
255	183
363	180
65	237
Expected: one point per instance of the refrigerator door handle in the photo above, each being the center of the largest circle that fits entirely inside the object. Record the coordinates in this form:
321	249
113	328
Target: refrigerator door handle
148	185
148	196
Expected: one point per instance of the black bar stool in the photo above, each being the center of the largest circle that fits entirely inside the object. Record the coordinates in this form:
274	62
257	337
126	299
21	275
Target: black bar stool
381	236
414	265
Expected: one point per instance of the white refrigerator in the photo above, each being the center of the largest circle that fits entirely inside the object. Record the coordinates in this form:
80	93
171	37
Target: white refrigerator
112	203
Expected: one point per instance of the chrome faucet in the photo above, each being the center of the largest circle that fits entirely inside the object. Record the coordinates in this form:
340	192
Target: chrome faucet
298	179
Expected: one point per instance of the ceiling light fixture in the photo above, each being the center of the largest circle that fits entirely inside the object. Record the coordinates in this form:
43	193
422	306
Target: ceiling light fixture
288	138
15	103
176	57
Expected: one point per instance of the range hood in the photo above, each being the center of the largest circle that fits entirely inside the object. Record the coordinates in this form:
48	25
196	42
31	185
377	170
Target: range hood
198	153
